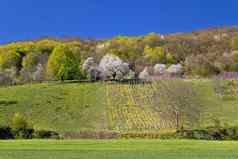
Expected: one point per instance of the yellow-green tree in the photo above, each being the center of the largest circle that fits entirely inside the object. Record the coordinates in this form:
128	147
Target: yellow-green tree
155	55
234	43
62	64
170	58
125	47
151	39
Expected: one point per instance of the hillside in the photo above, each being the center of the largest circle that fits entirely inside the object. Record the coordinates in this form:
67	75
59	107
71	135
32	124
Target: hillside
75	107
203	53
57	106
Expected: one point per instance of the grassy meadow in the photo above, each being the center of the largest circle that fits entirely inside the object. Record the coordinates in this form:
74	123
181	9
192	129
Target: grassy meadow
56	106
118	149
74	107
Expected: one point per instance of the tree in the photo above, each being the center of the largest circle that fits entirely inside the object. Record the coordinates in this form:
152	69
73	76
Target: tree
145	75
155	55
200	65
234	43
113	67
179	101
11	58
62	64
126	48
39	74
170	58
151	39
33	65
234	63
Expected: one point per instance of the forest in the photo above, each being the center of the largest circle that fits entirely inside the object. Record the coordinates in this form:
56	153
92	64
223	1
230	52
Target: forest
198	54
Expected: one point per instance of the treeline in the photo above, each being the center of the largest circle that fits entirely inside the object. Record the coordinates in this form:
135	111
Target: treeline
21	128
201	53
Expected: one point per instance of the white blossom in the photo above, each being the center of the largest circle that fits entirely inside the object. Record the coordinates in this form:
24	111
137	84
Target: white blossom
175	69
159	69
113	67
144	75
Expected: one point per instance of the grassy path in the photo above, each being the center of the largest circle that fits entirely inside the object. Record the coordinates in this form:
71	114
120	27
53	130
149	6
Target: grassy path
118	149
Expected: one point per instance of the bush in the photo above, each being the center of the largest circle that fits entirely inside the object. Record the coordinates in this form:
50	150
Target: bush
21	127
92	135
6	133
210	134
23	133
5	79
46	134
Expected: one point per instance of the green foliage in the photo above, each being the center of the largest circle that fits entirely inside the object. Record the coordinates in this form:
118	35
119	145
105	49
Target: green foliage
234	43
138	51
62	64
210	44
234	62
212	133
151	39
155	55
21	127
46	45
11	58
124	47
200	66
6	133
170	58
19	122
46	134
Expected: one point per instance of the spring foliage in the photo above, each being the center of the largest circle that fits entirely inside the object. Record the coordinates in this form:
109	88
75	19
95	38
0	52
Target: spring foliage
62	64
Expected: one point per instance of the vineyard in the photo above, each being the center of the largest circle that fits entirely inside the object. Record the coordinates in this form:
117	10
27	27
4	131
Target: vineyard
130	107
126	108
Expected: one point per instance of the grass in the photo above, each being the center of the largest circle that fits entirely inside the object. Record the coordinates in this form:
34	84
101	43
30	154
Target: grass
73	107
118	149
61	107
225	110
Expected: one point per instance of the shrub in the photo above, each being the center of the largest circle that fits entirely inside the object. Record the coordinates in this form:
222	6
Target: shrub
91	135
21	127
6	133
210	134
6	79
46	134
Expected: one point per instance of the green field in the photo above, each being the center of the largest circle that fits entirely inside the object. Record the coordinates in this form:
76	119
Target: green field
118	149
56	106
75	107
